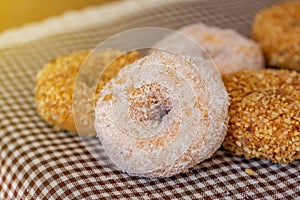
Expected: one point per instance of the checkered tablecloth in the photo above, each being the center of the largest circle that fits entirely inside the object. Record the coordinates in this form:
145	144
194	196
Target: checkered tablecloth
37	162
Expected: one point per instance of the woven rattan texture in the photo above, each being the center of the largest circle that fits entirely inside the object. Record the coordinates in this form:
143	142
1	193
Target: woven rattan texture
37	162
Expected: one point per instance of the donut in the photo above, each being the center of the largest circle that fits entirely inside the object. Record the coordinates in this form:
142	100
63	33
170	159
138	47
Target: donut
229	50
55	82
162	114
264	114
277	31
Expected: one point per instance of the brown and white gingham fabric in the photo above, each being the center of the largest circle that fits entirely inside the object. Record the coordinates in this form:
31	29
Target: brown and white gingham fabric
37	162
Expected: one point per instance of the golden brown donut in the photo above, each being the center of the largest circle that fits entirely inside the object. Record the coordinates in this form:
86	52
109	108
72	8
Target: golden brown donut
55	82
264	114
277	30
162	115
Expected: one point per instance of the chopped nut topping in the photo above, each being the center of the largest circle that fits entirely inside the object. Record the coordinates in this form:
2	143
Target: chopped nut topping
249	171
54	89
264	122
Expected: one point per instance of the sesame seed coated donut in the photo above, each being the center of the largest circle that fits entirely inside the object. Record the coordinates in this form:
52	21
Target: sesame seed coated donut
264	114
230	51
277	30
162	114
55	82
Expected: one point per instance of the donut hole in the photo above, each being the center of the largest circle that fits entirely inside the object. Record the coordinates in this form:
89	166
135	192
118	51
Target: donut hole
149	105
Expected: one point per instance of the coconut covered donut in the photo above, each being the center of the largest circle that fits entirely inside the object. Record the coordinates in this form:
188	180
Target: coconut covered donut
264	114
277	30
230	51
162	114
55	82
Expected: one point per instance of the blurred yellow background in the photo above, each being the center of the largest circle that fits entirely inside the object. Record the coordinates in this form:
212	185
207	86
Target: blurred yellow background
14	13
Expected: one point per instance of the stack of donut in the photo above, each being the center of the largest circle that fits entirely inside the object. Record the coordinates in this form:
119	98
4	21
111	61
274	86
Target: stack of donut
265	104
166	112
264	114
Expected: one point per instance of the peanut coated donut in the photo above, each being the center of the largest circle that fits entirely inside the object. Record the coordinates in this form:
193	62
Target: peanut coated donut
277	30
162	114
264	114
55	82
230	51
